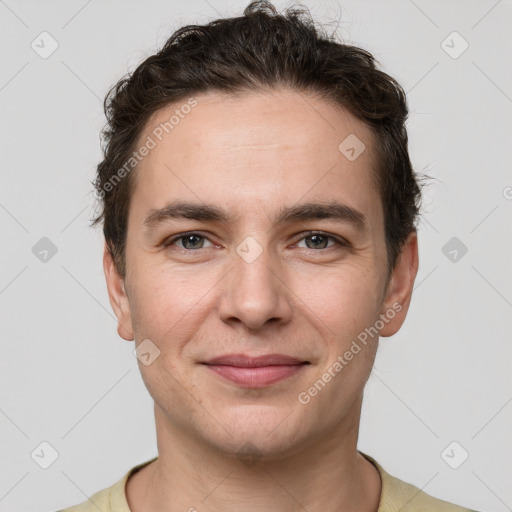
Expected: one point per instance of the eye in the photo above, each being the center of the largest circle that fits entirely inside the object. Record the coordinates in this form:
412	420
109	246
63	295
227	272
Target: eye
320	240
313	240
189	241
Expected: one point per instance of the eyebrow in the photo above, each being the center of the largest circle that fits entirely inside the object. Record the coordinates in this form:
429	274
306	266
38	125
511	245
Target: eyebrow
332	210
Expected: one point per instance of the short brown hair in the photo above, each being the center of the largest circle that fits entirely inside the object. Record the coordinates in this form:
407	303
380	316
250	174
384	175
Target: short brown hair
260	50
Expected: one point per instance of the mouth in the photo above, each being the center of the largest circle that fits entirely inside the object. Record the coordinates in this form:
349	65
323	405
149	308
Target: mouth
255	372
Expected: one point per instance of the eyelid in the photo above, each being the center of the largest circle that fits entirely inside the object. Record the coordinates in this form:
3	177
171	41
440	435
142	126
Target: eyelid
169	241
340	240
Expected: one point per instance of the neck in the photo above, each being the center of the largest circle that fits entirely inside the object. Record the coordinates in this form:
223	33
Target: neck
326	474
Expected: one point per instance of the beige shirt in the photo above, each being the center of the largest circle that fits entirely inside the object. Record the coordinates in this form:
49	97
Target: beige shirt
396	495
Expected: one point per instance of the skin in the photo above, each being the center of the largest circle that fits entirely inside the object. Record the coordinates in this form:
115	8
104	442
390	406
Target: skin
252	155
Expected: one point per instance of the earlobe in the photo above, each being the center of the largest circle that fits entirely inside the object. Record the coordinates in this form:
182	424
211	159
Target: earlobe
117	296
399	291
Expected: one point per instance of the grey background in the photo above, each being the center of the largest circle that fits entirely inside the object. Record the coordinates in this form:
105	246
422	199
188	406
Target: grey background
68	379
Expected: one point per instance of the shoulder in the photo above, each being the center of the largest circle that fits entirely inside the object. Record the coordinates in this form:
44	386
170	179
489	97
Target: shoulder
111	499
99	500
397	495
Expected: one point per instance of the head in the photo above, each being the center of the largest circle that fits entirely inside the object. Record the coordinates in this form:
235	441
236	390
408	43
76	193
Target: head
257	198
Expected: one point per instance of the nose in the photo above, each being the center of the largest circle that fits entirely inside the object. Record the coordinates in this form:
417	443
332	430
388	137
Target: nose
256	291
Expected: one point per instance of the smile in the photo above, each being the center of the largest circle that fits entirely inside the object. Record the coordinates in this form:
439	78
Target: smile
255	372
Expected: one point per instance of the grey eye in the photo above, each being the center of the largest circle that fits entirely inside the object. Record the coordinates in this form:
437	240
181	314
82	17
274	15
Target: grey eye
190	241
317	241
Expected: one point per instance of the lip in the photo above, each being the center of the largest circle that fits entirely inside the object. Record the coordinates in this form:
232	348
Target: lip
245	361
255	372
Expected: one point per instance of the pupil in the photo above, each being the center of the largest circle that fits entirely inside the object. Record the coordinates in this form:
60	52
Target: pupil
190	238
317	240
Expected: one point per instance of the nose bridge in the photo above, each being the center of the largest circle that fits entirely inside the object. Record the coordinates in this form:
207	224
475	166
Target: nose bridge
255	292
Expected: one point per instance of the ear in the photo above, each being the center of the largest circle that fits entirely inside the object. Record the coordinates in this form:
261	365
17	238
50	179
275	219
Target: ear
117	296
400	286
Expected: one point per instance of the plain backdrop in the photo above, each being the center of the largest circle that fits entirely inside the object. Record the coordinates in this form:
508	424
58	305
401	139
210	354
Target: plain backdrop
68	380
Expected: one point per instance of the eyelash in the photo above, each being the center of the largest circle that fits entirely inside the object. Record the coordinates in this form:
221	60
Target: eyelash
340	241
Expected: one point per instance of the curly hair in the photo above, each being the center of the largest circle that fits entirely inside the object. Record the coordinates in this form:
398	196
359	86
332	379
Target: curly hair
261	50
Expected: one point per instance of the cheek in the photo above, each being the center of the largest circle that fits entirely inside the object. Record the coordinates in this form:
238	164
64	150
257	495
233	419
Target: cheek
166	304
341	301
341	311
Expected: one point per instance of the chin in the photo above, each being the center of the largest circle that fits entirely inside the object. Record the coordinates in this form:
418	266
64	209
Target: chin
257	431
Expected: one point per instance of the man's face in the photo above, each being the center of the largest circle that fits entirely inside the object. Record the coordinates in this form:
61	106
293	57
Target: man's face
259	282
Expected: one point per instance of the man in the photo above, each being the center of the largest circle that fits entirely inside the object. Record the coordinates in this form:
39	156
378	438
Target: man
259	210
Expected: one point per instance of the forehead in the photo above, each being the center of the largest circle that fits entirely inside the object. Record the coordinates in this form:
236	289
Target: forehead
255	149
